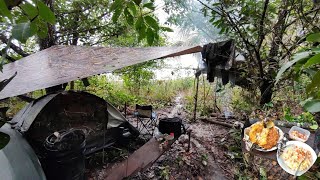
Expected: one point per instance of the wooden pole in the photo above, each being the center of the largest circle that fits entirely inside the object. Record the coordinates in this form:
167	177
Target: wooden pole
125	109
196	100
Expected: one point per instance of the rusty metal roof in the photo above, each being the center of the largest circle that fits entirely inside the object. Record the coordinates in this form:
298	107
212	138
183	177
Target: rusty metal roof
62	64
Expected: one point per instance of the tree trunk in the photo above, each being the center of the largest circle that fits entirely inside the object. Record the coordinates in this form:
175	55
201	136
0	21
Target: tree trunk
266	90
266	87
47	42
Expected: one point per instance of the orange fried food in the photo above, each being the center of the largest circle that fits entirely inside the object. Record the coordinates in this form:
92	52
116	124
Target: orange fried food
255	130
272	138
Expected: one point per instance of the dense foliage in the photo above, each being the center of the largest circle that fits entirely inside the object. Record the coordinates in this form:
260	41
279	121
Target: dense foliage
306	62
267	33
80	22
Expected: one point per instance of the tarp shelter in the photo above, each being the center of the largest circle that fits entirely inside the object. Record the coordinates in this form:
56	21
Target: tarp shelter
62	64
71	109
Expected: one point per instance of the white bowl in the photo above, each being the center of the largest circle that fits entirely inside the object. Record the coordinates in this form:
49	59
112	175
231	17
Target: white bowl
300	144
303	131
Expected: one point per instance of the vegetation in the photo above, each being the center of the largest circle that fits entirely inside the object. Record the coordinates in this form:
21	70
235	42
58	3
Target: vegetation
80	22
266	33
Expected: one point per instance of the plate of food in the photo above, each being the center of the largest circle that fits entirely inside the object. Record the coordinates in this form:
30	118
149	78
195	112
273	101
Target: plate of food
296	157
264	136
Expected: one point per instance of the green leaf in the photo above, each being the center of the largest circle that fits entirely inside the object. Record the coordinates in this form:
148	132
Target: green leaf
116	5
205	12
23	31
215	4
312	61
152	22
132	8
139	23
156	36
312	105
149	6
4	10
29	9
314	37
166	29
116	14
137	2
22	19
263	174
297	57
315	83
41	27
45	13
129	17
314	127
150	36
142	32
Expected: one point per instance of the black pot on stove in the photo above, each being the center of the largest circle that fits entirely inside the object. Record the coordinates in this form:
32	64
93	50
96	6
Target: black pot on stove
172	125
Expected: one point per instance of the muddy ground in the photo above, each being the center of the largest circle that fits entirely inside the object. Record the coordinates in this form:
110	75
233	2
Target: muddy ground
208	157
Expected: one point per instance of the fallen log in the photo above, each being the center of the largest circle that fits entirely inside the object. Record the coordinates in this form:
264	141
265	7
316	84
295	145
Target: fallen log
286	124
219	122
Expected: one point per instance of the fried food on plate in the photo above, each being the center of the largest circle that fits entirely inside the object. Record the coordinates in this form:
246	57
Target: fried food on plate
272	138
255	130
266	137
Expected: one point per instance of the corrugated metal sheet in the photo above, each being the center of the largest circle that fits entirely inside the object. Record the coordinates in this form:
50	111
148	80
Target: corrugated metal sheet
61	64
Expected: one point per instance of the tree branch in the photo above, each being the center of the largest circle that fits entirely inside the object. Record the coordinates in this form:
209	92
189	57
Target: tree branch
26	98
11	59
306	14
293	47
14	47
261	33
219	13
246	43
279	28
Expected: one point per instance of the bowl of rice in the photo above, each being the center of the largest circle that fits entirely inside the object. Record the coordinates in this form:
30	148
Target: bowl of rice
296	158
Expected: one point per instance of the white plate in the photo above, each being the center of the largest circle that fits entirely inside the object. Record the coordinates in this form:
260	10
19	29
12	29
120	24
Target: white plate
281	135
303	145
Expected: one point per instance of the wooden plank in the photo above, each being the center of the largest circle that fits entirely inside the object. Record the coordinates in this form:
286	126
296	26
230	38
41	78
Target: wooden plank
139	160
62	64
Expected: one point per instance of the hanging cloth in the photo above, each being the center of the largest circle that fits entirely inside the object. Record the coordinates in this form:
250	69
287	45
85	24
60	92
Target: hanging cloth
219	55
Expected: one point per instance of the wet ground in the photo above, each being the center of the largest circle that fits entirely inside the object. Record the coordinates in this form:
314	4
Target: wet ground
215	153
206	159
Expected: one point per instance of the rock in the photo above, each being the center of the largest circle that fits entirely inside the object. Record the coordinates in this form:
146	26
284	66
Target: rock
183	138
204	163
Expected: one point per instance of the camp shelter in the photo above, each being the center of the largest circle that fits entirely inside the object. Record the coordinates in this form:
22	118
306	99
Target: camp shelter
62	64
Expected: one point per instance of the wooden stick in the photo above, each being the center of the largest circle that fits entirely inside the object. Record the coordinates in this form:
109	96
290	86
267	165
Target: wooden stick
196	100
217	122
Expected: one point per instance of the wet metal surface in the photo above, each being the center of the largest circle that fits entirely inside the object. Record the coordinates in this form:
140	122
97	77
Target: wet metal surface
61	64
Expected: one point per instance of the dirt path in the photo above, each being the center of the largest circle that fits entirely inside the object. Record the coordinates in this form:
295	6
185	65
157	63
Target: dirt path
206	158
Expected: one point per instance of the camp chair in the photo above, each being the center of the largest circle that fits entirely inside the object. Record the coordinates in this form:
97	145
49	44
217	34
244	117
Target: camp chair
146	118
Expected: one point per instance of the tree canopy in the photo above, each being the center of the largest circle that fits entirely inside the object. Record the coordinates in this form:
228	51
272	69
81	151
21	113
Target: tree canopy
80	22
266	33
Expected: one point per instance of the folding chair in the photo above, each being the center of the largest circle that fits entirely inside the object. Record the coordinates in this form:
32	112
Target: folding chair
146	117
